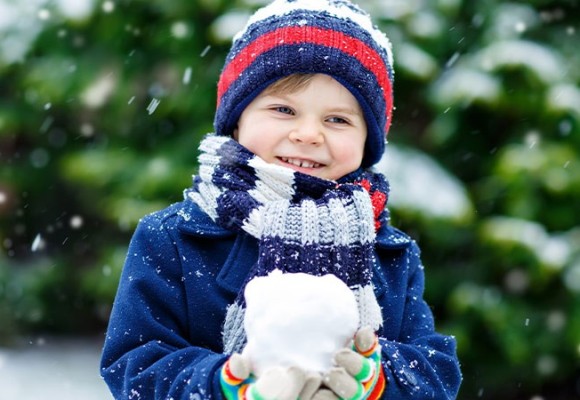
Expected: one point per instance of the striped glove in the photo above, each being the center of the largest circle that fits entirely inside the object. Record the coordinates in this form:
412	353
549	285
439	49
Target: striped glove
279	383
358	374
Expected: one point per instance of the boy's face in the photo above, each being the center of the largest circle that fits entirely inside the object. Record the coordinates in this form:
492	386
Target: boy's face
319	130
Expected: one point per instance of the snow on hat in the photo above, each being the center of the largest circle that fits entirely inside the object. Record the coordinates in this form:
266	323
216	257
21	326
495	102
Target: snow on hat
332	37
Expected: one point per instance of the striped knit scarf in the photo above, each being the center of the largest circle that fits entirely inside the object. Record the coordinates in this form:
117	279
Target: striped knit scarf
303	223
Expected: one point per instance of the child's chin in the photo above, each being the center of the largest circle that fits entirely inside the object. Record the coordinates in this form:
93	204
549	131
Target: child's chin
316	173
308	171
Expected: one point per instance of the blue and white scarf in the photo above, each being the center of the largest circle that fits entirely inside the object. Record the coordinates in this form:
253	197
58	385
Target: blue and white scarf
303	223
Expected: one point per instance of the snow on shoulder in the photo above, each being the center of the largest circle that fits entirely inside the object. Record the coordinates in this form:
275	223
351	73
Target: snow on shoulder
296	319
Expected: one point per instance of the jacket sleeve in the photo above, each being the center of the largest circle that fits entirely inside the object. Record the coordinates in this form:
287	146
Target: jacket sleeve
420	363
146	353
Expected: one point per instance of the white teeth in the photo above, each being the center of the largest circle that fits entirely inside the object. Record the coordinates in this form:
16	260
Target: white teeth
300	163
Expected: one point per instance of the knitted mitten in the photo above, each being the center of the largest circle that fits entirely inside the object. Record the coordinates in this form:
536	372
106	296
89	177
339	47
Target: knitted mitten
278	383
358	374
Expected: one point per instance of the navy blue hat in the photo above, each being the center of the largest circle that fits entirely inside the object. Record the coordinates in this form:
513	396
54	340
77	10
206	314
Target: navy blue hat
332	37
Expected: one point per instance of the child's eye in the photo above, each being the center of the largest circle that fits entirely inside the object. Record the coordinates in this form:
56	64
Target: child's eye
337	120
284	110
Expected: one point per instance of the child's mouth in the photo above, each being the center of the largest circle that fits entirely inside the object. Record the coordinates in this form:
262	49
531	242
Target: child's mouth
300	163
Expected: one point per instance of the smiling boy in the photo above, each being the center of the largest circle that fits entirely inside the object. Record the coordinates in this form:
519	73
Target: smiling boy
317	129
285	183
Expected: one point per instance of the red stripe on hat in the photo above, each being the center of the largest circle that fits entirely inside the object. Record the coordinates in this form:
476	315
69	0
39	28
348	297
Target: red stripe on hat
311	35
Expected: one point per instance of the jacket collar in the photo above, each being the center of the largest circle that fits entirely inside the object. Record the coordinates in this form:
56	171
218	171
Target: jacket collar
392	238
194	221
243	253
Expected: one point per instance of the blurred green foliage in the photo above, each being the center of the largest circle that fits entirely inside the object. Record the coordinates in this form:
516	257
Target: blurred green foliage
101	113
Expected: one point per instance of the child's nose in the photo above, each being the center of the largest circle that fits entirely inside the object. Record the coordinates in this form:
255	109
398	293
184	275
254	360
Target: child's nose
307	132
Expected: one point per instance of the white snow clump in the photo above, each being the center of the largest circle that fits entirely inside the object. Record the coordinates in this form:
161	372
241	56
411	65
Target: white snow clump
296	319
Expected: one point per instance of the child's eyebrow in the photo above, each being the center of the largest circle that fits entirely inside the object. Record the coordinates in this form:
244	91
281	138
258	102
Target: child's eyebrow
285	98
346	110
278	96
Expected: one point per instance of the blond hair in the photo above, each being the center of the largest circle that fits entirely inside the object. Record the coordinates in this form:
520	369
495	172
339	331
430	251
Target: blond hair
289	84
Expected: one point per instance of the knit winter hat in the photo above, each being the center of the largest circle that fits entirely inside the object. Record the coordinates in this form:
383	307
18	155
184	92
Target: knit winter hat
332	37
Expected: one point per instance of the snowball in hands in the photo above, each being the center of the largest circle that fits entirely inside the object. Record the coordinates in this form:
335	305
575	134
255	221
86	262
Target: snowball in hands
297	319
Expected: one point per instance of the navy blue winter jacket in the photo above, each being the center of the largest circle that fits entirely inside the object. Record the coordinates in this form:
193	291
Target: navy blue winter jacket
182	271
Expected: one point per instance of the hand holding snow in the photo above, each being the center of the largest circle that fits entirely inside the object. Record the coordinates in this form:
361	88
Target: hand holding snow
297	320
